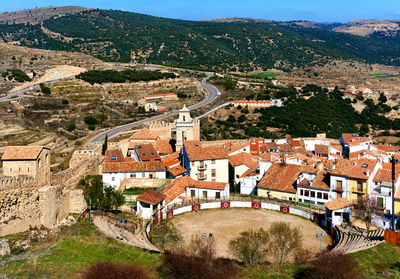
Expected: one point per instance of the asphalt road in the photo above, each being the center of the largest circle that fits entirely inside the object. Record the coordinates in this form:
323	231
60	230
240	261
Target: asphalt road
212	95
20	94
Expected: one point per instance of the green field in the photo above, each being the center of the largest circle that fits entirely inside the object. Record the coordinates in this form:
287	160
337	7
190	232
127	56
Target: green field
384	75
266	75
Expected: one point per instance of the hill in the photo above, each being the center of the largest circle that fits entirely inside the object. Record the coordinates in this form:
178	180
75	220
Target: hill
234	45
38	15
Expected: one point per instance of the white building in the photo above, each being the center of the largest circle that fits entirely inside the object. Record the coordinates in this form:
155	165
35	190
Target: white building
149	203
381	188
313	188
114	173
337	211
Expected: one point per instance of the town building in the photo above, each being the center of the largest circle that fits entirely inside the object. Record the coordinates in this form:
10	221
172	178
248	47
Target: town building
145	152
337	212
239	164
149	202
30	161
210	163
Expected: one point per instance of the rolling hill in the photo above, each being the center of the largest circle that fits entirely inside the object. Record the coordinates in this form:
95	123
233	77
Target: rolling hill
238	44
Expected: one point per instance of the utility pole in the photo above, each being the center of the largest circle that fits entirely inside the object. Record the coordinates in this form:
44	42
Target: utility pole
393	189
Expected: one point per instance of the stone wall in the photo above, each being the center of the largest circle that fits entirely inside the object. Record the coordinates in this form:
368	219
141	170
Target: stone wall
23	204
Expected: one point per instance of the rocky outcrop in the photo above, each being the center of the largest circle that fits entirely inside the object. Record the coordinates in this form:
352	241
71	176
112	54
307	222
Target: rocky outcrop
4	248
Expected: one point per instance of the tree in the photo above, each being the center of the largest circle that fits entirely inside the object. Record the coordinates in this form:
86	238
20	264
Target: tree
166	236
105	145
382	98
90	120
46	90
284	240
365	208
250	247
202	247
71	127
103	197
333	265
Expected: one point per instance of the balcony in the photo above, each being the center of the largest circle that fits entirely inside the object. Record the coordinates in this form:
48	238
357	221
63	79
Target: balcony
203	176
338	188
202	167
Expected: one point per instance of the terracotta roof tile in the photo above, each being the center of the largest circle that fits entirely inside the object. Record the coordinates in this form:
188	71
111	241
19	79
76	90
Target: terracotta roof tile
385	148
280	177
151	197
147	152
179	185
22	152
338	204
244	159
177	170
114	155
198	153
163	146
321	149
384	175
354	168
144	134
133	166
294	143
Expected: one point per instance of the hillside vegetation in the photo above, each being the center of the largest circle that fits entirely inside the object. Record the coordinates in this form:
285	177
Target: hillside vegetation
131	37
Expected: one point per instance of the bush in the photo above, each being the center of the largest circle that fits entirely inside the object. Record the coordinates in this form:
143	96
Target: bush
46	90
91	127
285	241
166	236
333	265
65	102
90	120
107	270
71	127
250	247
192	267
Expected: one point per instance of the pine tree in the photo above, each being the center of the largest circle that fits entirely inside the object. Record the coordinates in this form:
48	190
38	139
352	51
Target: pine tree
105	145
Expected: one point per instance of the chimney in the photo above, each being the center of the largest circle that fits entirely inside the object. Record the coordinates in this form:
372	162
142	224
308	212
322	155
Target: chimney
367	173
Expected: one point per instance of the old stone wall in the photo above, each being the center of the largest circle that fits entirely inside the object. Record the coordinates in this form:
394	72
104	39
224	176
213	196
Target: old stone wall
23	204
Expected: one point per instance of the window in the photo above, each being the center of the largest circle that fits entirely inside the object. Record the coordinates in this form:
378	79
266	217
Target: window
237	176
319	195
112	178
28	169
338	195
338	214
325	196
364	166
306	193
212	161
151	176
204	194
213	173
192	164
339	184
312	194
380	202
113	158
184	118
192	193
359	186
217	195
133	175
301	192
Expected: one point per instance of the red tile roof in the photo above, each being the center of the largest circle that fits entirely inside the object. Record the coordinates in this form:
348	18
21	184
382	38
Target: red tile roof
163	146
144	134
22	152
133	166
384	175
285	147
147	152
338	204
114	155
385	148
178	170
244	159
294	143
196	152
321	149
280	177
151	197
354	168
321	181
179	185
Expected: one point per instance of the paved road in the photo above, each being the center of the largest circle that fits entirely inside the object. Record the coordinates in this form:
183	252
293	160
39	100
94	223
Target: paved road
212	95
20	94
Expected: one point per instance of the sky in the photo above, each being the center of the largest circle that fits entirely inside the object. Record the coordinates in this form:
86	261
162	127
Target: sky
281	10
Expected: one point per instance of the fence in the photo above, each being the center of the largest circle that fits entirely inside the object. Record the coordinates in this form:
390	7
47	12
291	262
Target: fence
392	237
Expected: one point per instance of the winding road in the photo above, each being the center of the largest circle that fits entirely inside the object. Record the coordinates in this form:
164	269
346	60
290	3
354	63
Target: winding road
212	95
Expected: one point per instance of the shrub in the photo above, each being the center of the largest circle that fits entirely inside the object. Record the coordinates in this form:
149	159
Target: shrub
90	120
284	241
91	127
45	89
250	247
192	267
333	265
166	236
107	270
202	247
71	127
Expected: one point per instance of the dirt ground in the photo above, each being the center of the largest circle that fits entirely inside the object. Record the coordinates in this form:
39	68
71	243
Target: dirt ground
226	224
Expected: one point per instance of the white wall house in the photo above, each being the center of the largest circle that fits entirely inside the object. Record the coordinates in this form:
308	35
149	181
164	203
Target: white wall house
338	211
150	203
381	188
114	173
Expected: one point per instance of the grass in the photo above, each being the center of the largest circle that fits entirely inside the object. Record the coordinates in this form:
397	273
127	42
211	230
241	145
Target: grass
380	261
71	252
135	191
384	75
266	75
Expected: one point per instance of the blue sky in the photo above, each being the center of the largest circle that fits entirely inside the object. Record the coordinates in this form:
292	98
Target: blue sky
314	10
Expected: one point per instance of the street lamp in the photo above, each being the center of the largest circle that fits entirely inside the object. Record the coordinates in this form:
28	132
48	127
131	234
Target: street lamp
320	236
123	222
208	237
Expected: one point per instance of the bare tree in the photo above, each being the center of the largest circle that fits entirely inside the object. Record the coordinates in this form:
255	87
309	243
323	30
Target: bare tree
284	241
166	236
250	247
365	208
202	247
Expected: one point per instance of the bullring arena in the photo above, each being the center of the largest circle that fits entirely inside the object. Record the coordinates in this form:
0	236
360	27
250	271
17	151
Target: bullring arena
226	224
